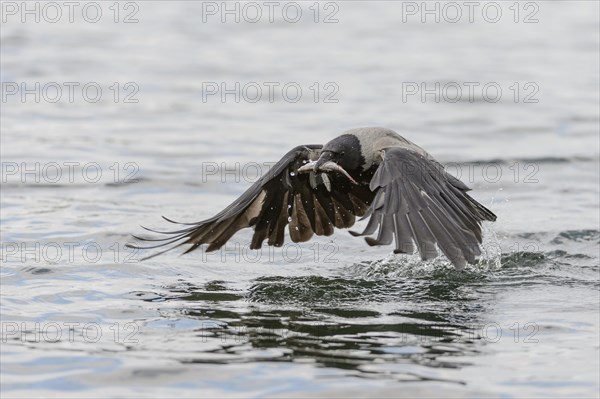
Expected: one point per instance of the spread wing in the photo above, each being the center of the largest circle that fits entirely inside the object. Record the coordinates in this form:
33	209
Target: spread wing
308	203
418	202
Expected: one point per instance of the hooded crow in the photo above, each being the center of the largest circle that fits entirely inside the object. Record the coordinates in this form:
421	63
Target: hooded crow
372	173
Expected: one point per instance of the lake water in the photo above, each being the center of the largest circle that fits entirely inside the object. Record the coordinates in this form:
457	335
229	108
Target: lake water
107	125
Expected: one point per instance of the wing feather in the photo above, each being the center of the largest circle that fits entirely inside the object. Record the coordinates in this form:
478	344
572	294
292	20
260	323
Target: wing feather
306	203
420	203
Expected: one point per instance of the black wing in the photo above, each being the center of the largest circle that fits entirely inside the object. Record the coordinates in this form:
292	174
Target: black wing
417	201
309	203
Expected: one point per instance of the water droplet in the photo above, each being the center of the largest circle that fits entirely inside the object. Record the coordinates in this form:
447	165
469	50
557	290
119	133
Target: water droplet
289	206
289	218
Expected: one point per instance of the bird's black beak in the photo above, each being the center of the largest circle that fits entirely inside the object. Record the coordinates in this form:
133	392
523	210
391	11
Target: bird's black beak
325	157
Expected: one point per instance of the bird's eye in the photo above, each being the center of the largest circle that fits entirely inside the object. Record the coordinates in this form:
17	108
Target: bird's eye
342	153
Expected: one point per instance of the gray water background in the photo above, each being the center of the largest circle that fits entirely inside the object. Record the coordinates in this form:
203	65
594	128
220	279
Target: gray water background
329	317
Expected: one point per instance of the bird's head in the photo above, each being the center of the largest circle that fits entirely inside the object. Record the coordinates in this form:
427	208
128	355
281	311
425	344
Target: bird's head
342	155
343	150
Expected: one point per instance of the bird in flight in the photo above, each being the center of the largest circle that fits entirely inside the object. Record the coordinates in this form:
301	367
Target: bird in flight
372	173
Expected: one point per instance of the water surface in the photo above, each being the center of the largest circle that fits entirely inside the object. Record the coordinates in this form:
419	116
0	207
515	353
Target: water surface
81	317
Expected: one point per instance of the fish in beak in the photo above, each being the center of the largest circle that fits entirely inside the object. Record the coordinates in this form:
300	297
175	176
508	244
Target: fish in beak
324	165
